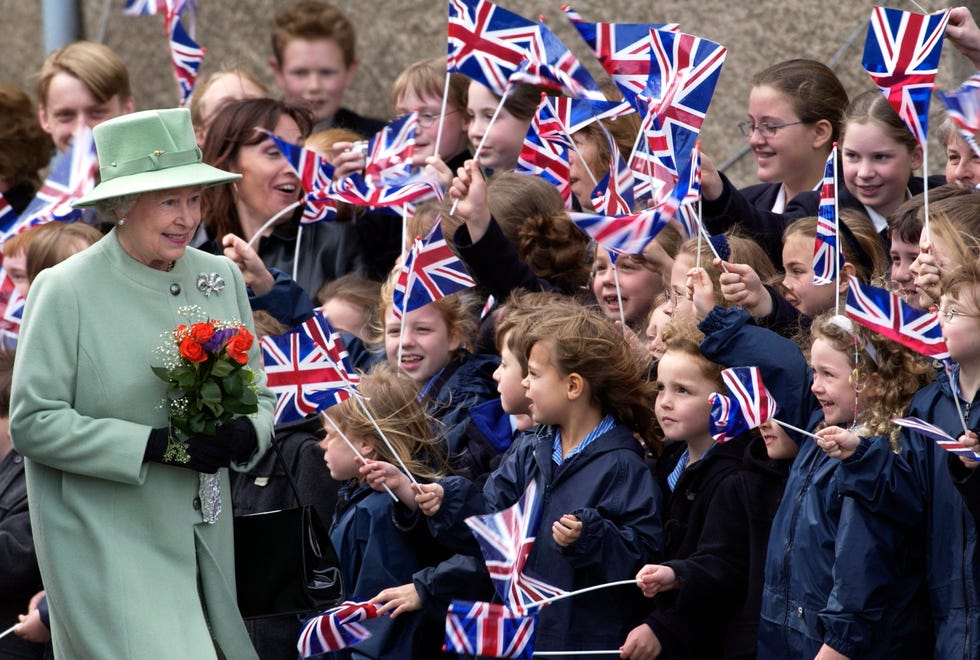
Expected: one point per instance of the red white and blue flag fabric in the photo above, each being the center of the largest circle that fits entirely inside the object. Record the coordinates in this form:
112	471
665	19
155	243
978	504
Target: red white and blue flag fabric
613	195
185	54
748	405
687	212
72	176
963	108
627	234
506	538
901	54
389	155
318	328
7	217
487	43
551	65
683	75
576	114
489	630
11	310
827	256
623	49
943	439
888	315
145	7
301	375
545	151
335	629
431	272
315	174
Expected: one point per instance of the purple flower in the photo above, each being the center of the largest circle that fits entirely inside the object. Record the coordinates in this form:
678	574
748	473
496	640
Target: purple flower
218	340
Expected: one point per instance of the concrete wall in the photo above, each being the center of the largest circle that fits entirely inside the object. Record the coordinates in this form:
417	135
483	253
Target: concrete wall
393	33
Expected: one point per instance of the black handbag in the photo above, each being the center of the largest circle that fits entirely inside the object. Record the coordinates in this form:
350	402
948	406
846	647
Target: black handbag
284	560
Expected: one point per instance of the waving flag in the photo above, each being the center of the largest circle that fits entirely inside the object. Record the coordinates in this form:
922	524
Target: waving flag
827	256
7	218
185	54
613	195
623	49
353	189
963	108
687	213
576	114
627	234
551	65
389	155
335	629
431	272
748	406
545	151
675	101
314	173
301	375
72	176
505	539
890	316
145	7
11	311
487	43
901	54
318	328
943	439
489	630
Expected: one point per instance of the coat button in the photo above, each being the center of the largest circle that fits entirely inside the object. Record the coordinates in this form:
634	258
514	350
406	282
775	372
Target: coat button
175	289
196	504
799	611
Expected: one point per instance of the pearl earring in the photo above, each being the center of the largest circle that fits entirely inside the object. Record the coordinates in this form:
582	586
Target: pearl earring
121	222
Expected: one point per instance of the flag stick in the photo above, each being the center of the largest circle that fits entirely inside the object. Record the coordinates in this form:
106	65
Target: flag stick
387	442
925	187
401	320
486	133
271	221
920	8
442	115
569	594
707	239
350	444
8	631
837	246
563	653
299	238
792	428
619	292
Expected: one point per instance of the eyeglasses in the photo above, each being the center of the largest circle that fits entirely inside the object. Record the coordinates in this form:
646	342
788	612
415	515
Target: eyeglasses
765	129
428	119
948	314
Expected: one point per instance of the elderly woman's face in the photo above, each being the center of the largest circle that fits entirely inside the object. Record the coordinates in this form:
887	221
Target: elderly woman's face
268	183
160	225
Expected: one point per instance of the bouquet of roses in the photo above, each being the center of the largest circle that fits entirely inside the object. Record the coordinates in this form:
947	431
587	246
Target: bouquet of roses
204	365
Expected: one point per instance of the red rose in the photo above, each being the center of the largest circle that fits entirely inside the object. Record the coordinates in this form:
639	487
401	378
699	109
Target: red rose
237	347
202	332
180	332
193	351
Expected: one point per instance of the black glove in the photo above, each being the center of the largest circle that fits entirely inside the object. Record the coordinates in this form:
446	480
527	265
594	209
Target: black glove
235	440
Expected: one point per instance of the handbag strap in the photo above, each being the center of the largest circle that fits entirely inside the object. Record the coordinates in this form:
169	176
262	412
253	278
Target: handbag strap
286	470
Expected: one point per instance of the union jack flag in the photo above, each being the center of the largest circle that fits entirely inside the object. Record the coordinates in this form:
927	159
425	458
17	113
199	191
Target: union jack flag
185	54
943	439
505	538
545	151
314	174
550	64
675	100
431	272
7	217
318	328
301	375
335	629
623	49
749	405
72	176
827	256
687	212
11	310
489	630
389	156
145	7
487	43
963	108
353	189
576	114
901	54
627	234
890	316
613	195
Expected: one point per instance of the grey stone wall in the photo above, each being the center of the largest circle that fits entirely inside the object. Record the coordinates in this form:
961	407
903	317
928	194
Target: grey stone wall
393	33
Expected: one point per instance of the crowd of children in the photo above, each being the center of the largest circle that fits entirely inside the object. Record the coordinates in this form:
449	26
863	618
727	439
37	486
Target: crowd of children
827	533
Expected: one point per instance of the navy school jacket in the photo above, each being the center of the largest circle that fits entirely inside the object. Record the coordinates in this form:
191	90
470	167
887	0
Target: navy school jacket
612	491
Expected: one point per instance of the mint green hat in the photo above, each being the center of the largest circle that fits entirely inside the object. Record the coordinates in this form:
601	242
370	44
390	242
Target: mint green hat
149	150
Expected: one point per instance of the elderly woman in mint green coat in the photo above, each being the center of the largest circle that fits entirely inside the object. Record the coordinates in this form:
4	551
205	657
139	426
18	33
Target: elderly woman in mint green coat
131	566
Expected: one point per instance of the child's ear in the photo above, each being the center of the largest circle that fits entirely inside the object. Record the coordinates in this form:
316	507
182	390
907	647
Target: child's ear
823	131
366	448
276	70
574	386
917	158
846	272
455	339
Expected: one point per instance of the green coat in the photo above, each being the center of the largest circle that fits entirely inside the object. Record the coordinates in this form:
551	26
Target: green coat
130	568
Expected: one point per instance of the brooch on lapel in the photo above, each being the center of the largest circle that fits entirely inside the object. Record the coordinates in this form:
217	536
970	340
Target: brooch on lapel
210	283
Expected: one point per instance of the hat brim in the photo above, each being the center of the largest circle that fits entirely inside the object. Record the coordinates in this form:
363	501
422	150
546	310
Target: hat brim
193	174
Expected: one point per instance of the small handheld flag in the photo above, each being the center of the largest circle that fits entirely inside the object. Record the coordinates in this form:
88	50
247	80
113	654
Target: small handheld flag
963	108
943	439
827	256
490	630
749	405
335	629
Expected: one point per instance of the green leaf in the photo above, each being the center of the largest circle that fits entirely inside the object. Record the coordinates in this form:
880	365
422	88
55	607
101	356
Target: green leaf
222	368
216	408
186	379
210	392
233	385
249	397
161	373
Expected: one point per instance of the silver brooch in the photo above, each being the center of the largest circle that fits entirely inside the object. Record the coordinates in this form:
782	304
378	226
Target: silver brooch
210	283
